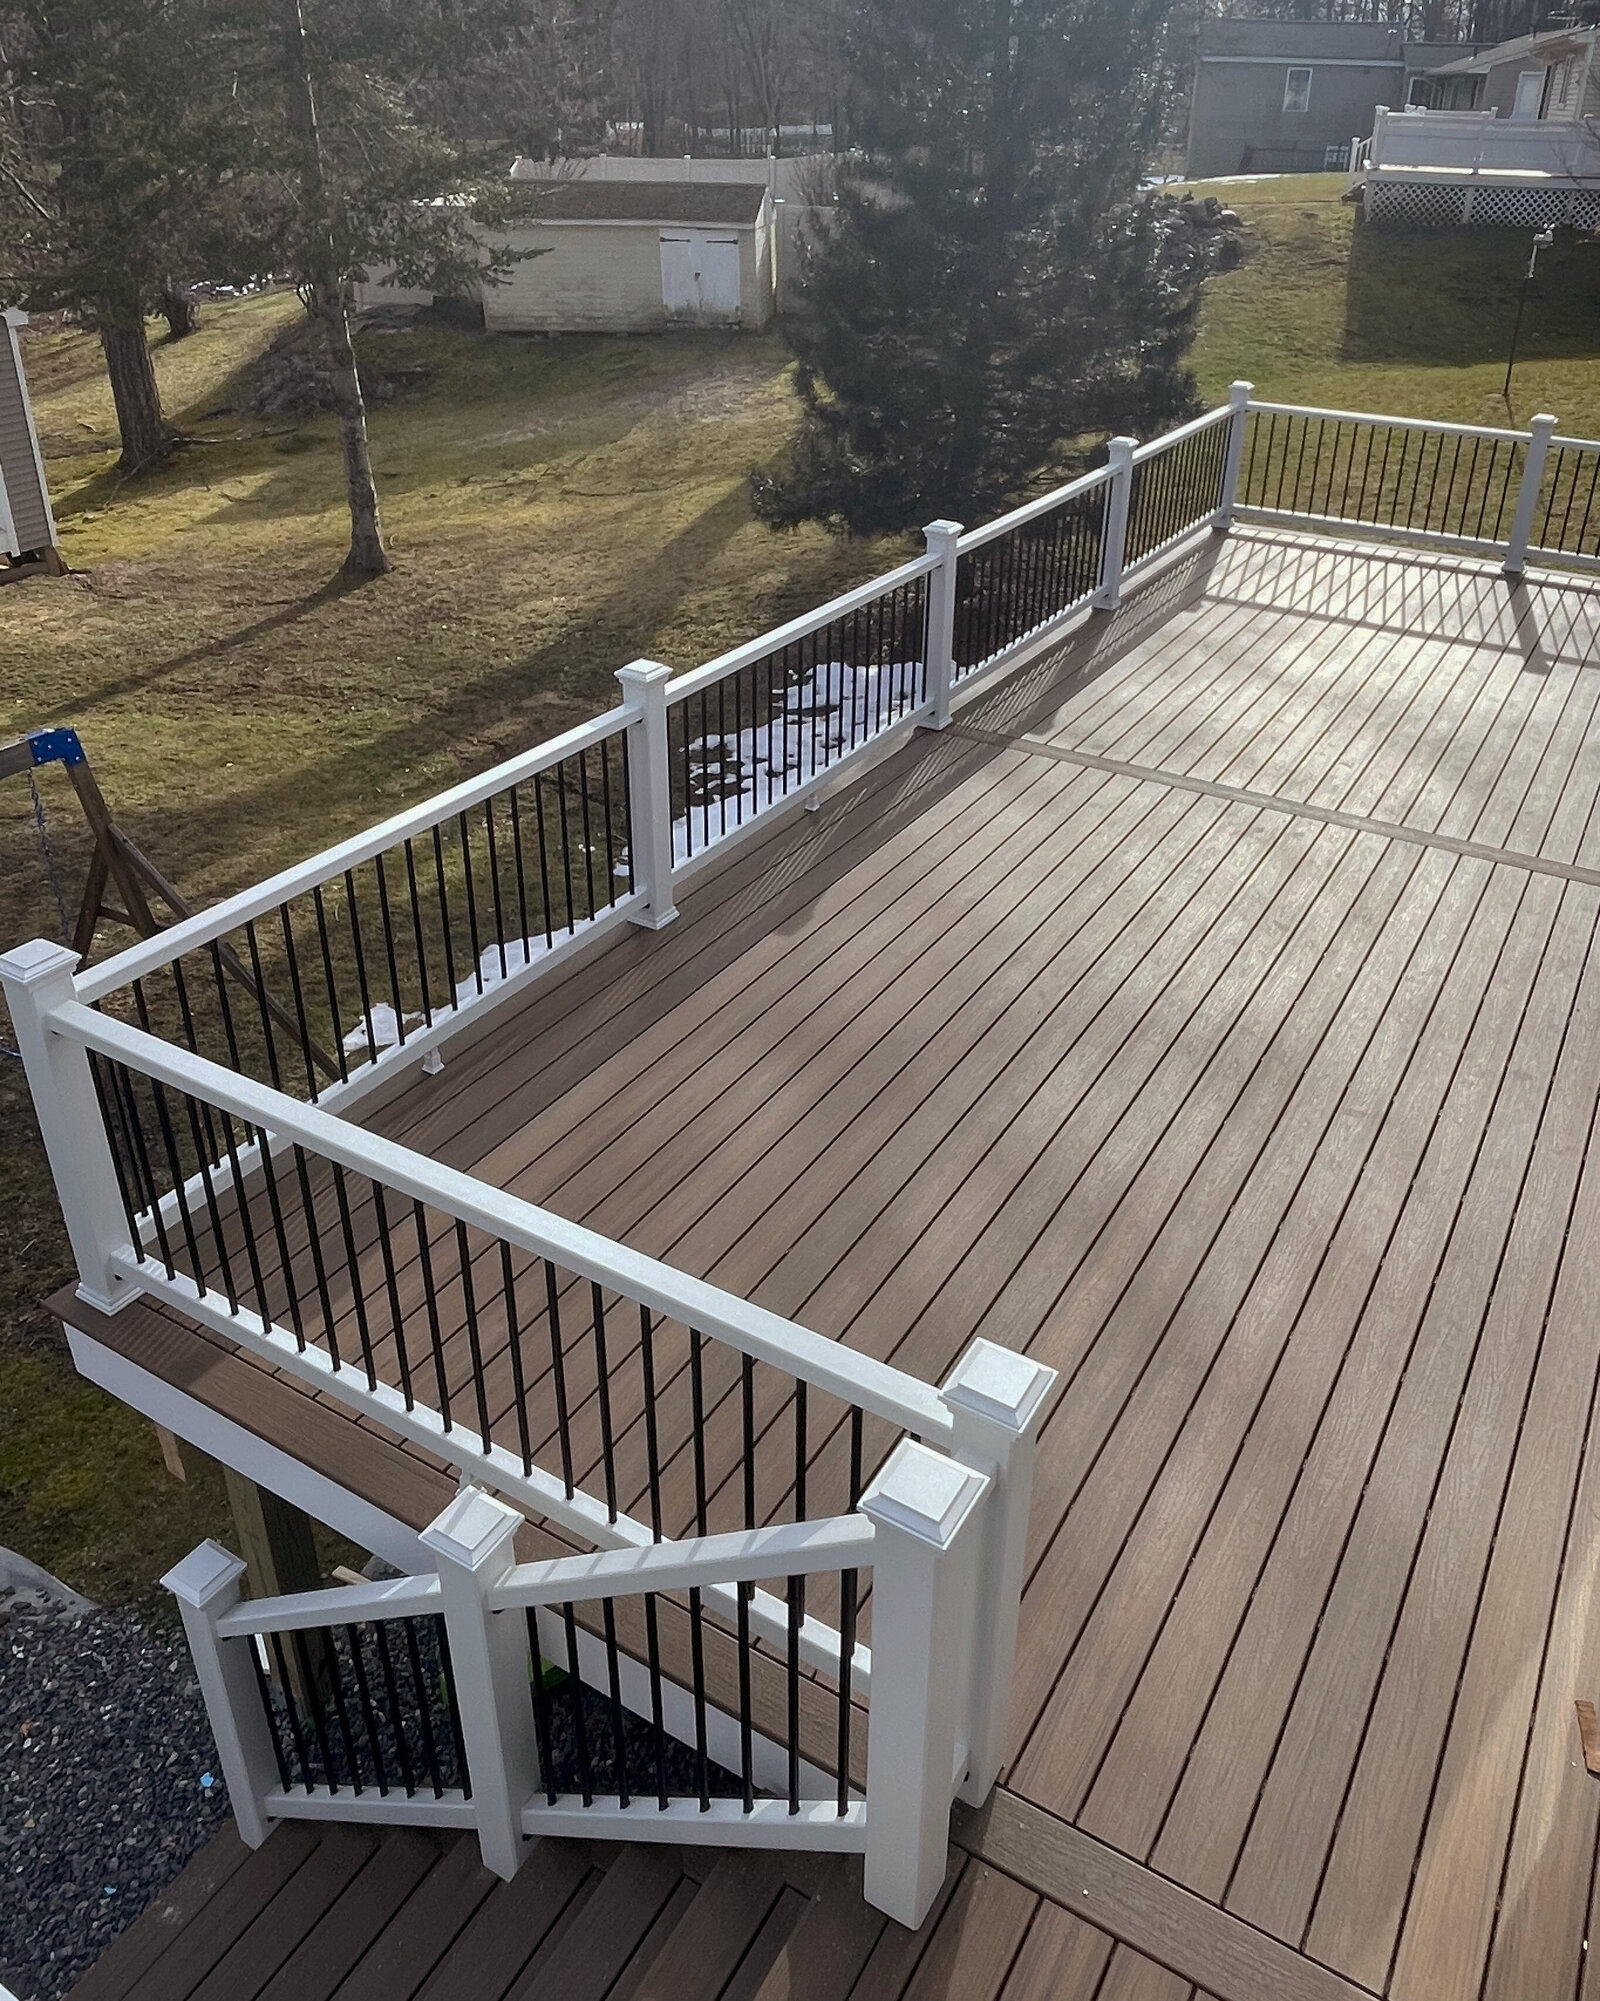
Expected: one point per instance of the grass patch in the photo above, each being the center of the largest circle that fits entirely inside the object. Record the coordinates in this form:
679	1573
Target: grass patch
1329	311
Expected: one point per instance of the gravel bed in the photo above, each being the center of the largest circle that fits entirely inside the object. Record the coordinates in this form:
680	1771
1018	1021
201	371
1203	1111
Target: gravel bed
105	1759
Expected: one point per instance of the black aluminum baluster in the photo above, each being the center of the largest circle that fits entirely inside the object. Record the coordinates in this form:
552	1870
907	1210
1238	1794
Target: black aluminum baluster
319	1268
453	1706
544	1736
247	1226
602	1374
419	1217
563	814
474	1342
580	1721
213	1209
696	1632
793	1594
586	822
124	1081
291	1711
397	1715
120	1148
391	962
269	1176
494	884
391	1284
608	1613
418	940
314	1709
380	1764
269	1711
353	913
422	1697
301	1022
353	1266
558	1374
442	881
508	1287
341	1708
520	871
472	900
544	858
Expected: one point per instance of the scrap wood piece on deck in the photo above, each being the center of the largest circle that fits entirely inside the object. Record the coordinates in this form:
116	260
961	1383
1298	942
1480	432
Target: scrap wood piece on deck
1589	1734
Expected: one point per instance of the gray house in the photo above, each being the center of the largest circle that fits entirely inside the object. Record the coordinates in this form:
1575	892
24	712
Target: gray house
1286	97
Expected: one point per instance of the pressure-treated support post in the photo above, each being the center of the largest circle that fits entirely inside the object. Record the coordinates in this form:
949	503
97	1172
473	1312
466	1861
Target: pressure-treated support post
922	1506
1239	394
644	688
1540	432
1119	500
206	1584
472	1544
996	1398
38	978
943	538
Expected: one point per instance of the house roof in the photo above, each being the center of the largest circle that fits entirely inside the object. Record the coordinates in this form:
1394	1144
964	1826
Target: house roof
720	204
1515	51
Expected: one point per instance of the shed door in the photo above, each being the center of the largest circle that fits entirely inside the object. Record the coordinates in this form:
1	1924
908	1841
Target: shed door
700	275
680	282
719	277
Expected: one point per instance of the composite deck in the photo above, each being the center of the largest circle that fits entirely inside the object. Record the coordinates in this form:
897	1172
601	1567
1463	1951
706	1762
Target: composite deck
1213	1013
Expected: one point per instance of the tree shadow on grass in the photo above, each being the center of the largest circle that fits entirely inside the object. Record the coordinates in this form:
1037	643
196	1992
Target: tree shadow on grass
1448	297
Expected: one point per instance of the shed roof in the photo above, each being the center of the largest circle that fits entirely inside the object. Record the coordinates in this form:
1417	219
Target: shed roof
1547	42
720	204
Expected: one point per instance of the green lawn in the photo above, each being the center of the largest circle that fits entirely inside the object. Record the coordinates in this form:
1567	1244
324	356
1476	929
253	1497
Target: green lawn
1327	311
556	508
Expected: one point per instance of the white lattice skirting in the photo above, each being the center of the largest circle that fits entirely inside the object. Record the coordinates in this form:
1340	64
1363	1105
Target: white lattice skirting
1452	205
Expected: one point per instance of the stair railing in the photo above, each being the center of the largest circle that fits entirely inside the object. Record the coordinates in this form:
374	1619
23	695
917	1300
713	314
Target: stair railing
461	1699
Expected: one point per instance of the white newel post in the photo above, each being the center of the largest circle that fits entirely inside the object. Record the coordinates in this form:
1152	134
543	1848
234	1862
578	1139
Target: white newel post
942	539
1239	394
1119	497
996	1398
1540	432
38	978
644	688
206	1584
923	1590
472	1542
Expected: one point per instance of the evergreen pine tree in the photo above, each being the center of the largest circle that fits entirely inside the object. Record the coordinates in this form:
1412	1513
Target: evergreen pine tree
992	284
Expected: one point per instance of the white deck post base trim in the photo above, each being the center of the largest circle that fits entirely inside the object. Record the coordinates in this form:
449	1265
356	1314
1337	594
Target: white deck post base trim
206	1585
1119	500
922	1609
644	691
38	978
1540	432
943	539
472	1543
996	1398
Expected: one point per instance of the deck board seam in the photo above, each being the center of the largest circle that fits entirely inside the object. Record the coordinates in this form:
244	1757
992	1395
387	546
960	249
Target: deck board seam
1330	816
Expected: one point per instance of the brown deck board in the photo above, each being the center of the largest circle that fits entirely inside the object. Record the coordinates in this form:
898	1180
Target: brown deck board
1272	1129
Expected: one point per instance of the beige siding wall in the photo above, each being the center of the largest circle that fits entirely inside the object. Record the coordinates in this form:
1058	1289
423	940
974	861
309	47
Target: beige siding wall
24	489
606	278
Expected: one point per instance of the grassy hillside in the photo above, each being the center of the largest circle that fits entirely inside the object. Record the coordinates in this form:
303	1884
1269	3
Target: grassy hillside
1327	311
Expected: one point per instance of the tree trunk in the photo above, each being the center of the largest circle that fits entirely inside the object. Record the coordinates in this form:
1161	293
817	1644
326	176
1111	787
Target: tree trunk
146	435
179	309
367	556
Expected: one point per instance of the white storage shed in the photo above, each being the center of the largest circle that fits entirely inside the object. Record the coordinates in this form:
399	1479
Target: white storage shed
639	257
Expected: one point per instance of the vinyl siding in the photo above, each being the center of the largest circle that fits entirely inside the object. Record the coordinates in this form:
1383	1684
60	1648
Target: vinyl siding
24	490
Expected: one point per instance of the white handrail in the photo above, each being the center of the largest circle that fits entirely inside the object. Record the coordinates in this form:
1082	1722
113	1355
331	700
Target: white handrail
826	1365
1392	423
791	1549
713	671
351	1605
1047	503
152	953
1208	420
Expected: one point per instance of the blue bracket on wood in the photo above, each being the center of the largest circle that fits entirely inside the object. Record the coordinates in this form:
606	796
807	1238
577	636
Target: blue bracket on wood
56	747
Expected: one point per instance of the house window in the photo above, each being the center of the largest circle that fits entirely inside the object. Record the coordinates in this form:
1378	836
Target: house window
1297	90
1335	159
1417	94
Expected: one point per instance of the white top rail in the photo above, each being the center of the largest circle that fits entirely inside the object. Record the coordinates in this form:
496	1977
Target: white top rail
1391	423
798	628
1152	448
827	1365
748	1556
351	1605
1576	444
206	925
1047	503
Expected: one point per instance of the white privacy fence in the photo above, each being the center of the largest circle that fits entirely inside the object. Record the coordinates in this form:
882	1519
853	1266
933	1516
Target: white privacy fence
190	1093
